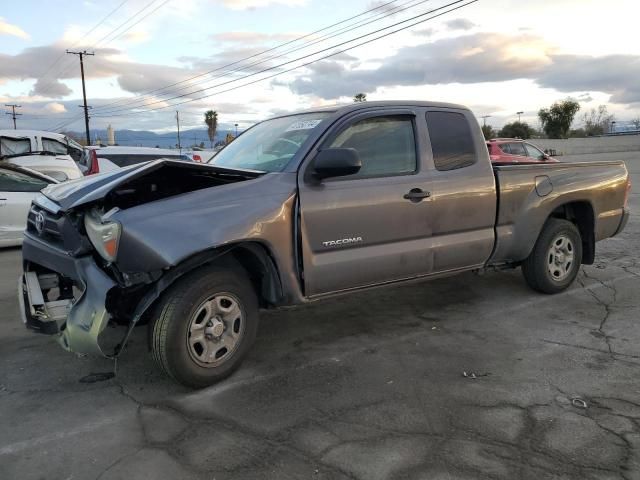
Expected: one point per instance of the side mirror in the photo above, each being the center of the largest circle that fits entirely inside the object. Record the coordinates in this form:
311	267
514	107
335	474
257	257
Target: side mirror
336	162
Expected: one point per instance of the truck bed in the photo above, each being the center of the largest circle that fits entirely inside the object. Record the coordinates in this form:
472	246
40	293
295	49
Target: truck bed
529	193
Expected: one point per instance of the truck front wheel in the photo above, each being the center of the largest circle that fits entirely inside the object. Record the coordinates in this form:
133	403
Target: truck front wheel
556	257
204	326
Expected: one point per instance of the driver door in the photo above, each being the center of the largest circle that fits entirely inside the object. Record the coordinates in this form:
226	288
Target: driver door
366	228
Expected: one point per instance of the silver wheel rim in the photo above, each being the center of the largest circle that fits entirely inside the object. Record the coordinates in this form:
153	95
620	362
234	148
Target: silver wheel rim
215	329
560	258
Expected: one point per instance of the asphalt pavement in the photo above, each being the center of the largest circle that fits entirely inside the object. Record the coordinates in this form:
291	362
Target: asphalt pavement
468	377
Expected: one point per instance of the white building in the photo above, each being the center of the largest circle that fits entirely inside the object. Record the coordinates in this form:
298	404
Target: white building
111	136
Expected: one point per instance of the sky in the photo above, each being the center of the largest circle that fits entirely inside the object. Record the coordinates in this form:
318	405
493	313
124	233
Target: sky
251	59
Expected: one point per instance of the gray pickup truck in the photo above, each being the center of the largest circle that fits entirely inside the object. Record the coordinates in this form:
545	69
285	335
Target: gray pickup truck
298	208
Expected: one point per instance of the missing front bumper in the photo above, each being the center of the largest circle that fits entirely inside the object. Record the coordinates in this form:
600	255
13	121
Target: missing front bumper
80	322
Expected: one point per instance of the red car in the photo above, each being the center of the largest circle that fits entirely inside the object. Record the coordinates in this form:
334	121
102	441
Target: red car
514	150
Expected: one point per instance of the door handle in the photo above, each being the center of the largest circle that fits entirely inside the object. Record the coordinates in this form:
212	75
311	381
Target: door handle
416	195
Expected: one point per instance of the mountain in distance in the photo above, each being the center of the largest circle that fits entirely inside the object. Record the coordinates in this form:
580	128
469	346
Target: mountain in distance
145	138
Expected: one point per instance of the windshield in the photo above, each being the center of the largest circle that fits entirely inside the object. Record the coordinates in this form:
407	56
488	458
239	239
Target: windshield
269	145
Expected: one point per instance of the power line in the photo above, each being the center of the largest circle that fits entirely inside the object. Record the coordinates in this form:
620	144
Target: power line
65	124
252	56
62	73
13	114
104	19
142	103
111	111
307	56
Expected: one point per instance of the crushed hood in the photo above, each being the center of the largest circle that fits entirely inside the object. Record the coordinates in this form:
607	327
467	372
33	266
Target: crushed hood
74	193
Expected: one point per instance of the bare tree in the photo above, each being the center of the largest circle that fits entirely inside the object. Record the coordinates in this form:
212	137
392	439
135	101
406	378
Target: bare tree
597	121
360	97
211	119
636	123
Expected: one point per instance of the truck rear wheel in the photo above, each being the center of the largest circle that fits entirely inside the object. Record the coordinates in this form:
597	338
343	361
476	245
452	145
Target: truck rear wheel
204	326
556	257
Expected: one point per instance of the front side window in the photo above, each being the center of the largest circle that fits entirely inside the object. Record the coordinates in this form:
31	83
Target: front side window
270	145
54	146
451	140
533	151
12	181
386	145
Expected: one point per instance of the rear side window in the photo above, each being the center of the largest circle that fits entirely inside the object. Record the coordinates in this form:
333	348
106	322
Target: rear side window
505	148
451	140
14	146
11	181
386	145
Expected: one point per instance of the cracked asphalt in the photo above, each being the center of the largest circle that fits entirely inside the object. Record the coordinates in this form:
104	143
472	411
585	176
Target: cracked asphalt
370	386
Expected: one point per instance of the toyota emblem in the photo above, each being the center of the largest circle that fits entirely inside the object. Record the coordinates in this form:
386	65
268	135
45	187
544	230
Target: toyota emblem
39	220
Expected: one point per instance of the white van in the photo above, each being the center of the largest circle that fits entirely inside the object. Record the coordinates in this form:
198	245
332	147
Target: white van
50	153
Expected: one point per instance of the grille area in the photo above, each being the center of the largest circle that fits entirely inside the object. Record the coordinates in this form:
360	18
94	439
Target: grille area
51	225
56	229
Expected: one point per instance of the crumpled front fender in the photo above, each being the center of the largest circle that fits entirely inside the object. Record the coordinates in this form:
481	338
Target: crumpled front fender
88	317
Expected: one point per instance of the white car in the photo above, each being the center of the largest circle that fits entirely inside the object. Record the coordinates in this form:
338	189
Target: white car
50	153
106	159
18	186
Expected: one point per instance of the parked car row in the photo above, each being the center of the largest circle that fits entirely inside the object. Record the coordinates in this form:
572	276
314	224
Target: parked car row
30	160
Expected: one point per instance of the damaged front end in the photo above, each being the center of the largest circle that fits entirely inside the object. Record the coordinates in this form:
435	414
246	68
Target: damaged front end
73	284
63	290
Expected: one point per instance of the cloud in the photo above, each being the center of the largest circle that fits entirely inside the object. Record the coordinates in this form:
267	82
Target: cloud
460	24
50	88
478	58
252	4
9	29
467	59
246	37
382	6
136	36
614	74
425	32
133	77
55	107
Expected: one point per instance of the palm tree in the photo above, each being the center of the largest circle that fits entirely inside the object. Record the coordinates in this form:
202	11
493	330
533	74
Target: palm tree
360	97
211	119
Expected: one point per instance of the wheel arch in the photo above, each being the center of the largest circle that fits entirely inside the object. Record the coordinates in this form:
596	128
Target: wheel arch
253	257
581	214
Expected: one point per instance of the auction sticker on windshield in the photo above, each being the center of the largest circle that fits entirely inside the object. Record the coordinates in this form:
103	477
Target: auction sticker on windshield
303	125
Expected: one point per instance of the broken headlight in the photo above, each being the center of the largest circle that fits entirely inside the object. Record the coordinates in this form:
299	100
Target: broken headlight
103	233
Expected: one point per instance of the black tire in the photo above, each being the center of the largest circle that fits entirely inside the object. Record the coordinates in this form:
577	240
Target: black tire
537	268
175	315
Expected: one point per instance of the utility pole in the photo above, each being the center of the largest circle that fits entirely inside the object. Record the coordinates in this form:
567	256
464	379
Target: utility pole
519	113
178	123
236	129
484	117
84	93
14	114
